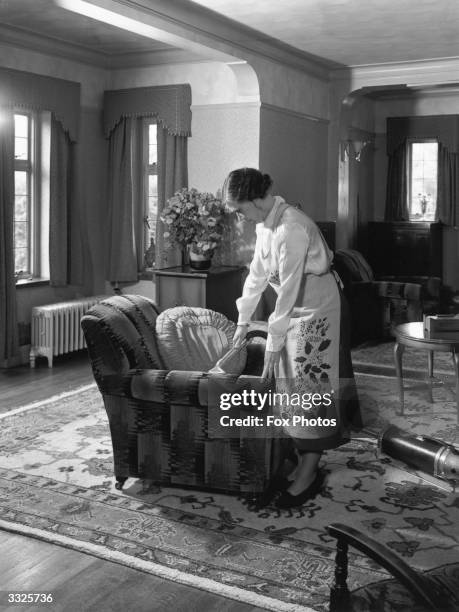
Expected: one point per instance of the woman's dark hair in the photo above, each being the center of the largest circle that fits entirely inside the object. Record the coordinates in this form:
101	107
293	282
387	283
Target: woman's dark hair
246	184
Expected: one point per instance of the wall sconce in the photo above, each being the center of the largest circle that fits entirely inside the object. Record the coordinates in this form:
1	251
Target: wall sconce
353	148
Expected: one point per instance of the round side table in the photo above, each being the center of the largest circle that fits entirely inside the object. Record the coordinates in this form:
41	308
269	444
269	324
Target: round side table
413	335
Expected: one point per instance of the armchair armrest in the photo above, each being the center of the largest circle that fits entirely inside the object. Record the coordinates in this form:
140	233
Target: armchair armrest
430	284
401	290
120	384
187	388
425	590
175	386
362	288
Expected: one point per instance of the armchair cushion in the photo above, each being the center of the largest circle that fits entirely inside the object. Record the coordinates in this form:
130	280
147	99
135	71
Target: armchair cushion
195	339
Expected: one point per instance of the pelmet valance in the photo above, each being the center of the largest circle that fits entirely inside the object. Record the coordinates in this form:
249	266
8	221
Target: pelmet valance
34	91
444	128
170	104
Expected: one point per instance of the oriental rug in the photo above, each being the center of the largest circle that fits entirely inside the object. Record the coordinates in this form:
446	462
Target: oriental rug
56	483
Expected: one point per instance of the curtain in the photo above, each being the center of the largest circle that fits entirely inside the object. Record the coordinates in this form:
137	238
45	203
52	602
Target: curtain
9	342
169	104
124	114
125	201
397	187
444	128
172	176
448	186
65	238
60	169
38	92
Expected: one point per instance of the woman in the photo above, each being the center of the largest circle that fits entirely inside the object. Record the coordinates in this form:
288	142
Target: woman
307	348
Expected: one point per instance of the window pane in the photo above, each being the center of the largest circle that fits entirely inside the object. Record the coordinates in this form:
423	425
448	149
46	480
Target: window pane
152	185
152	154
21	148
20	183
152	145
425	150
21	126
20	234
21	258
423	180
152	209
21	208
152	203
152	133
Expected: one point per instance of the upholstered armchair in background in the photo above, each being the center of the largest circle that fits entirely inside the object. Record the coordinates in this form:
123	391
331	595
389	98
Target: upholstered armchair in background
152	372
378	304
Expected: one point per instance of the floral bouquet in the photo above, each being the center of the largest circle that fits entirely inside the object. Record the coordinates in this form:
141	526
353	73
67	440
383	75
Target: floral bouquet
193	219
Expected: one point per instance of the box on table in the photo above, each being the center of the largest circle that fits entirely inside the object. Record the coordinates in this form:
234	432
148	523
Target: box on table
442	326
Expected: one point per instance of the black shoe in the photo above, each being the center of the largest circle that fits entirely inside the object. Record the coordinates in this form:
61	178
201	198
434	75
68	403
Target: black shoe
287	500
281	483
278	483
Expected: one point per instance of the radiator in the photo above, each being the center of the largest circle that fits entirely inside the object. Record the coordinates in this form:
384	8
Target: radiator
56	328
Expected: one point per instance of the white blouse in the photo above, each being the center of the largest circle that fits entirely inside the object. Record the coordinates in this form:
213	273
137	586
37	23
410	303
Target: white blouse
283	254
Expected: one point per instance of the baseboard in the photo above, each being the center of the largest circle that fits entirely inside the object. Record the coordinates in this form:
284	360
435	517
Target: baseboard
21	359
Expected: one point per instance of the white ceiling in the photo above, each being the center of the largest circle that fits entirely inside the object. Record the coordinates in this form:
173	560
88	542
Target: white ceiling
342	32
48	19
354	32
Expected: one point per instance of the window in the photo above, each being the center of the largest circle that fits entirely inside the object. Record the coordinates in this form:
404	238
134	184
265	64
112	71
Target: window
23	186
150	191
31	194
422	179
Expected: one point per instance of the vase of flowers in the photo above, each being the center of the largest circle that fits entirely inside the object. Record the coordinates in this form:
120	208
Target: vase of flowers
193	221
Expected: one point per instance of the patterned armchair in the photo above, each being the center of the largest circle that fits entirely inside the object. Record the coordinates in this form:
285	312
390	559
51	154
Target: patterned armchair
378	304
158	415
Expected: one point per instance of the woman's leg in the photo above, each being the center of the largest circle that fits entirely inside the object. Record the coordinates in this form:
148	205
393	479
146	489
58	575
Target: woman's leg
305	472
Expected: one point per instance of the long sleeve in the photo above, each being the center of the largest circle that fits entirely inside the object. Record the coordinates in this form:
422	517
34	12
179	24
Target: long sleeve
292	243
254	285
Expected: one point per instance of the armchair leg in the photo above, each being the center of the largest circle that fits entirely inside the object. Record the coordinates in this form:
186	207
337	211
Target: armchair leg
120	480
339	593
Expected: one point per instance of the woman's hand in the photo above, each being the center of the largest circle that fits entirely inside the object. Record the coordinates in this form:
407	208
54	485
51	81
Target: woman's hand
239	335
271	365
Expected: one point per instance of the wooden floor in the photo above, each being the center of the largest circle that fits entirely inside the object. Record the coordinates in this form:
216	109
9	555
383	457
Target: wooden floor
80	582
23	385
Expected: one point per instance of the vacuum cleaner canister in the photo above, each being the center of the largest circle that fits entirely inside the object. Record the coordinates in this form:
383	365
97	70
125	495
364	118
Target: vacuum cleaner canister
428	455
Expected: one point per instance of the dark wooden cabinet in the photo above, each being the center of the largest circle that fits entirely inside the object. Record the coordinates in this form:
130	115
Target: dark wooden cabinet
217	288
405	248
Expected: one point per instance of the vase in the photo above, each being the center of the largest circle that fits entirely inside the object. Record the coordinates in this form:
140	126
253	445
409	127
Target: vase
199	262
185	256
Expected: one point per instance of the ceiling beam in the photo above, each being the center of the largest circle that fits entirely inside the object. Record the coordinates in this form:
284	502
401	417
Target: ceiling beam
189	26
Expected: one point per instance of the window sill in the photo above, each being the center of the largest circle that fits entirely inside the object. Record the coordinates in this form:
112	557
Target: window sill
32	282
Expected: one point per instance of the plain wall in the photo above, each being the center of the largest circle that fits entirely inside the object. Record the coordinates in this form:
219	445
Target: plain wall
293	150
224	137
